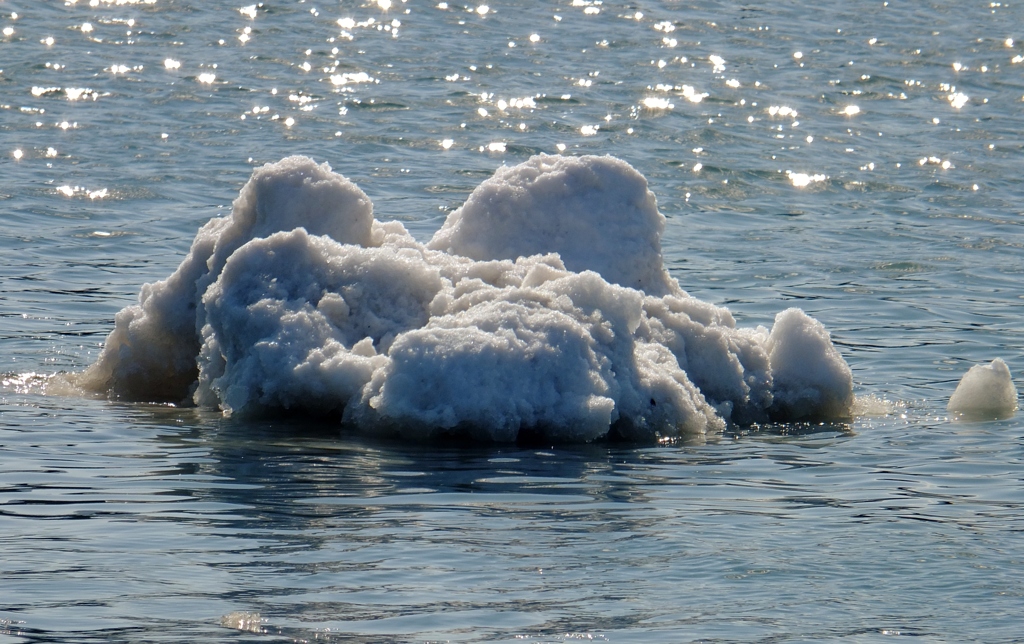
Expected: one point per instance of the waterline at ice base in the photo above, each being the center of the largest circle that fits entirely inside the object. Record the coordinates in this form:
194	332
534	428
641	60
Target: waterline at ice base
541	307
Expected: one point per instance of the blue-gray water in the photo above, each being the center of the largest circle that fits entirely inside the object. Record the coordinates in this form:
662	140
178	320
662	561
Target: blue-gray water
142	523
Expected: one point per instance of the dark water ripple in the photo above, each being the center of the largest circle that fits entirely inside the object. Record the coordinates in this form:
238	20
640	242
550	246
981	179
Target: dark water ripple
160	523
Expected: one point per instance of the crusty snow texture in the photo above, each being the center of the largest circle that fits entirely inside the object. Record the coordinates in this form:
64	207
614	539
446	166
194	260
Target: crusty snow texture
541	307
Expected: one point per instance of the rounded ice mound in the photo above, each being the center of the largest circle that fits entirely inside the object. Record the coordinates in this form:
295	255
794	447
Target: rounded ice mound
985	391
151	353
541	309
297	193
595	212
812	381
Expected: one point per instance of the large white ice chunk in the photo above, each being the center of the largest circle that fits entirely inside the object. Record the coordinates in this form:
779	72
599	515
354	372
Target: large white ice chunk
540	309
595	212
985	391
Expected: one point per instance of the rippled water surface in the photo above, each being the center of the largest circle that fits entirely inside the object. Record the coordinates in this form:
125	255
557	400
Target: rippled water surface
860	160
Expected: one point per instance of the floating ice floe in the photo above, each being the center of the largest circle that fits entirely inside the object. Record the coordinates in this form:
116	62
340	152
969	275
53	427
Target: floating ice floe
985	391
540	308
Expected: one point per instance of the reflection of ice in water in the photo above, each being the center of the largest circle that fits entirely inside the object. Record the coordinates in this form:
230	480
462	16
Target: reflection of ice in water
541	306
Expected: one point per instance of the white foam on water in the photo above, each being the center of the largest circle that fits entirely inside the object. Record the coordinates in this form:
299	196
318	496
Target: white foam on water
985	391
874	405
541	307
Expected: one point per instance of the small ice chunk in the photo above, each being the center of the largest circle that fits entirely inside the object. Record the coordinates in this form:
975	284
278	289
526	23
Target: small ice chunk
811	379
985	391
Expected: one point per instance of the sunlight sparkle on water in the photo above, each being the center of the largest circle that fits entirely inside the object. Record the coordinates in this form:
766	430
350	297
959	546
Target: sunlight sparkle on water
850	110
692	95
352	77
655	103
71	191
958	99
802	179
517	103
243	621
782	110
77	93
945	164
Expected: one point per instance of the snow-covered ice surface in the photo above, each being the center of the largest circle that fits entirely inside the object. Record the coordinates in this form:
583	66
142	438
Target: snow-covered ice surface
540	308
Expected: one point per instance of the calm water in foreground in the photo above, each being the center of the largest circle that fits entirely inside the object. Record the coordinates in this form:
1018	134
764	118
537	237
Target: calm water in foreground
860	160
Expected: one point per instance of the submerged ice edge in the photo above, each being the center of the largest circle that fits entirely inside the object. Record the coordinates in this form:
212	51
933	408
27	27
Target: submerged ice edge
541	307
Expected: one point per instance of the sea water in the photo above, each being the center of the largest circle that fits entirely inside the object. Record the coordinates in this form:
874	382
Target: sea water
857	160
